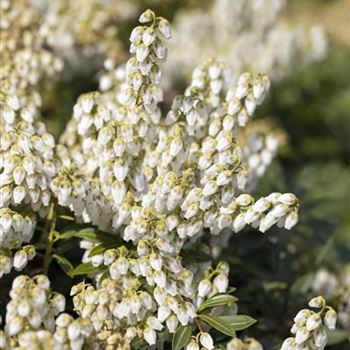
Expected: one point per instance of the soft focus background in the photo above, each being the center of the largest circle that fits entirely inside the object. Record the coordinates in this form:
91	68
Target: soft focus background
275	273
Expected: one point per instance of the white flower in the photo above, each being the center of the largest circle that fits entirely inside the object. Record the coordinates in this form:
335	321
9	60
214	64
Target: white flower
317	302
150	336
192	345
239	223
221	283
291	220
302	335
156	262
172	323
163	313
204	288
288	199
20	260
146	16
302	315
330	319
164	28
154	323
289	344
15	326
320	337
159	278
313	322
206	340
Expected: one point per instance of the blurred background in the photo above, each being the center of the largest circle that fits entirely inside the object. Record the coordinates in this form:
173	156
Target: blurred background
304	46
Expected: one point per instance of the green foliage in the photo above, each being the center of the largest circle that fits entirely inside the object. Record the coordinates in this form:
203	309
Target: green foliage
217	300
220	324
277	271
181	337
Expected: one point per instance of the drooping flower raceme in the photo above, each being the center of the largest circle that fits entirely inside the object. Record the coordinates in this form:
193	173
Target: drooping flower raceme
166	179
160	185
310	327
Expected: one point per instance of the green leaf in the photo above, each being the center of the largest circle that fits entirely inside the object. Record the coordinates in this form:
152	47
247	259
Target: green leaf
66	217
64	246
217	300
65	264
218	323
337	336
238	322
68	234
181	337
104	275
101	248
138	343
92	235
85	269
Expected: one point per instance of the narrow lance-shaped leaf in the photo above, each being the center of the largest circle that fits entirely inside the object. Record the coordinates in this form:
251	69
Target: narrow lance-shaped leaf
217	300
218	323
85	269
92	235
65	264
138	343
101	248
238	322
181	337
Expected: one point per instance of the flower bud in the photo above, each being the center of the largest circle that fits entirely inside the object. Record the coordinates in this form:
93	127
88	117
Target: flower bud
313	322
221	283
172	323
164	28
320	337
147	16
150	336
330	319
291	220
302	335
192	345
206	340
317	302
204	288
20	260
302	315
288	199
154	323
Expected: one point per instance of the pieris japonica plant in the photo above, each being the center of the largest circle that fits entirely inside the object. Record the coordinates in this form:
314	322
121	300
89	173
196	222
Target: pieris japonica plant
149	193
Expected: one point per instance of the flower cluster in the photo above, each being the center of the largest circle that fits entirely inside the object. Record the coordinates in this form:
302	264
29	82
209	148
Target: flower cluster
85	30
260	142
310	326
337	288
160	187
27	162
32	307
252	34
15	229
24	62
27	166
245	344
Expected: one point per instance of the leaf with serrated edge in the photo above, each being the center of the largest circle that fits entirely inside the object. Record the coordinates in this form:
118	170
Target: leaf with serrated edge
220	324
181	337
217	300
